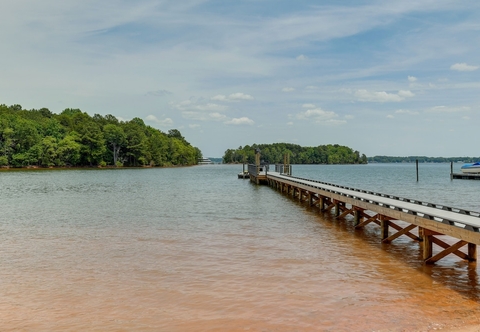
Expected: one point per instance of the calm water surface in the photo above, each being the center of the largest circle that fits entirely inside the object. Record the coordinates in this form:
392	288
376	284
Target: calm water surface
196	249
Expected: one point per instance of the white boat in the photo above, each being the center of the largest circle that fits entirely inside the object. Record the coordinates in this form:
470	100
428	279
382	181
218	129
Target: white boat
204	161
471	168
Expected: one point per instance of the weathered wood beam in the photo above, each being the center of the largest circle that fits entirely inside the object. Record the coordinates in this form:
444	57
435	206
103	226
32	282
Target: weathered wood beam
445	245
400	228
345	213
401	232
472	252
445	252
367	221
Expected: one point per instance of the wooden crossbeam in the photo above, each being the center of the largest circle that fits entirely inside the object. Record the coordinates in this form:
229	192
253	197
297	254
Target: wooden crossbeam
367	221
329	207
445	245
407	233
446	252
402	231
345	212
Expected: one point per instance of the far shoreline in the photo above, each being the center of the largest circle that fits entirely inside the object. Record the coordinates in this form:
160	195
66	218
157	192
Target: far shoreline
59	168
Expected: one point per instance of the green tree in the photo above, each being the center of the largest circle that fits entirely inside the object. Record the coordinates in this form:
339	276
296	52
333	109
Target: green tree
115	138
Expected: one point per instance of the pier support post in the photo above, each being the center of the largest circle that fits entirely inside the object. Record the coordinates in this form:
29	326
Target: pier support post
321	203
427	246
384	223
472	252
357	216
337	209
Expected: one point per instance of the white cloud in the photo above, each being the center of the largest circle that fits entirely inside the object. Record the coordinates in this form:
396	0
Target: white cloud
406	93
288	89
233	97
465	117
290	123
217	116
220	98
320	116
412	79
308	106
390	116
349	117
194	126
240	121
463	67
301	57
200	116
448	109
382	96
240	96
164	122
406	112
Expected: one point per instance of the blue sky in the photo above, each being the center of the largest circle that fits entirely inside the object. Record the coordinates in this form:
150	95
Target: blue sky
385	78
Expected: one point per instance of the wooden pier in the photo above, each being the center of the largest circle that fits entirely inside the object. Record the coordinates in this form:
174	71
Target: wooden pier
466	176
396	216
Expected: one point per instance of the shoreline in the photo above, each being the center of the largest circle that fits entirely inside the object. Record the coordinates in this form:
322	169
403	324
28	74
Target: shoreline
59	168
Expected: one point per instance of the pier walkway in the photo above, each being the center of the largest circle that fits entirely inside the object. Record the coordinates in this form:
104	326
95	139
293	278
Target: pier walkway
396	216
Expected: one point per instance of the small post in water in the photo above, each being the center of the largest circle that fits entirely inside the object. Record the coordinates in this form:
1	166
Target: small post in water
451	170
416	162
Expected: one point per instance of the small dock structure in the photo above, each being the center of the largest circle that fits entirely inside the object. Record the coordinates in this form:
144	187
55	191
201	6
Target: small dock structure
422	222
466	176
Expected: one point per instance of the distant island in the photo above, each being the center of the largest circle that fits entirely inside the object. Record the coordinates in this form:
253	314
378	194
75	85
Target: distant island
40	138
421	159
274	153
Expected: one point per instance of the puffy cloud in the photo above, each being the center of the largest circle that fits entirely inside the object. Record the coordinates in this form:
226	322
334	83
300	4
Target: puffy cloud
412	79
463	67
390	116
320	116
382	96
164	122
308	106
240	121
301	57
288	89
233	97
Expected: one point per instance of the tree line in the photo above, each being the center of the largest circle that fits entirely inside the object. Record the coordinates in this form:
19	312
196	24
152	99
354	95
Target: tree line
274	153
74	138
421	159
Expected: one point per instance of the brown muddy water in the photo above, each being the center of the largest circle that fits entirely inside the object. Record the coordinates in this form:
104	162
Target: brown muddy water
196	249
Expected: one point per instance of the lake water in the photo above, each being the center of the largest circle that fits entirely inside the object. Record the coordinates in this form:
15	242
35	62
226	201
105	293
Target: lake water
196	249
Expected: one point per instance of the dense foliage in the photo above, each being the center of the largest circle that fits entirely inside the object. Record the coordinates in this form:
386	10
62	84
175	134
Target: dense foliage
73	138
273	153
421	159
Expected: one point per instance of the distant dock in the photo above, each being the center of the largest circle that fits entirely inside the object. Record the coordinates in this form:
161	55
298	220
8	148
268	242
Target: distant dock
466	176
